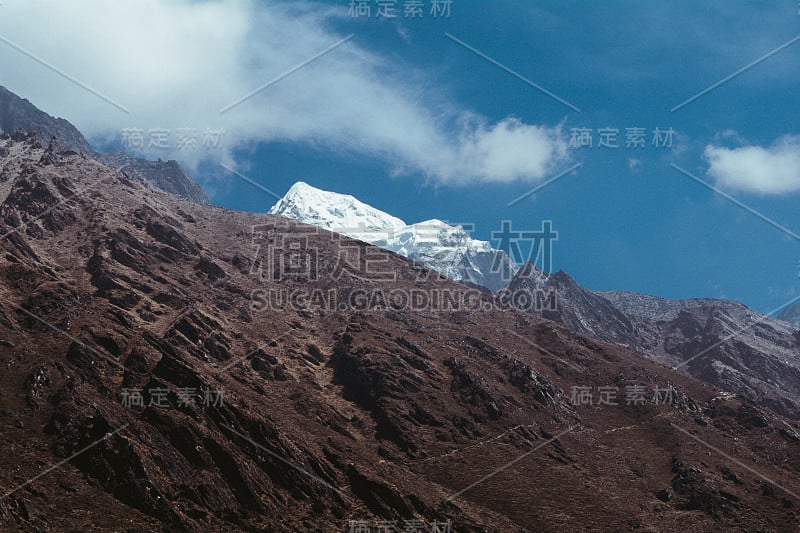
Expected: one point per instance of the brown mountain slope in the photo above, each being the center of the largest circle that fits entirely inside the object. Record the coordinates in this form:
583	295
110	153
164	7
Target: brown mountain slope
330	414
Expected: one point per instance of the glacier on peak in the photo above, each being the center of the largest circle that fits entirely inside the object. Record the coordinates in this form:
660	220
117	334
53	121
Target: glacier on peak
447	249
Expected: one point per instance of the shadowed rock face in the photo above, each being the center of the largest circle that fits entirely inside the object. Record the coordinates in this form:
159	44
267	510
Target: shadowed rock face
167	176
329	414
718	341
577	308
790	314
19	115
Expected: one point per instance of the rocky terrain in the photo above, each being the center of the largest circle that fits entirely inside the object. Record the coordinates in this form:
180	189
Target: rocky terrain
721	342
17	114
125	313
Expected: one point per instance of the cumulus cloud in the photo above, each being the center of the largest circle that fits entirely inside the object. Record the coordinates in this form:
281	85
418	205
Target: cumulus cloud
774	169
175	65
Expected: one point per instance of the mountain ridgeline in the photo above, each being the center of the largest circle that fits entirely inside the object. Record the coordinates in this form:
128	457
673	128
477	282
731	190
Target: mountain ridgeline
19	115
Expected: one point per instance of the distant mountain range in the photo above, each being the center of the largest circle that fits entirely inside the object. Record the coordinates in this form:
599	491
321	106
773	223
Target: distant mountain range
18	114
722	342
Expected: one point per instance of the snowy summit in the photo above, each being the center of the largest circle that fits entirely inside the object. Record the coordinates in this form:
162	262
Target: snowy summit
447	249
341	213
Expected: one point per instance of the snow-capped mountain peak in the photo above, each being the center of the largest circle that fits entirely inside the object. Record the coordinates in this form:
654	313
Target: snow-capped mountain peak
341	213
445	248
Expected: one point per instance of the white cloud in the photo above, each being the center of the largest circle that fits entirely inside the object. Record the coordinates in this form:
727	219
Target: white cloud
771	170
506	151
176	64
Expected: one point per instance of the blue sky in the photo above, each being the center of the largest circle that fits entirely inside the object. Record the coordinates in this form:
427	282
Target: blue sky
625	65
412	122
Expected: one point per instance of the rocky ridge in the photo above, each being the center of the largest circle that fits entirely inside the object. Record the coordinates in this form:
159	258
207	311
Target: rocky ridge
19	115
721	342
